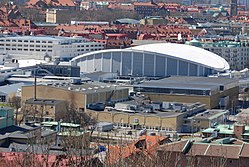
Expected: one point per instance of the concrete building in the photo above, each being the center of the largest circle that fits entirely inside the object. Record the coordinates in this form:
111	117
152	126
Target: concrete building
41	110
53	16
154	60
39	47
206	119
82	95
214	92
170	120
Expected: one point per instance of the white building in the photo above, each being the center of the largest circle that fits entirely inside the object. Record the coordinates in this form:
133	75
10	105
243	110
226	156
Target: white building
36	47
153	60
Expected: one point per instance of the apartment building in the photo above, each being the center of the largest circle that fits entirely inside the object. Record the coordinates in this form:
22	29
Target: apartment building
235	53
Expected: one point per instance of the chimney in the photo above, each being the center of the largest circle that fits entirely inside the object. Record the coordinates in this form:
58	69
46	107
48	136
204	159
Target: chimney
239	130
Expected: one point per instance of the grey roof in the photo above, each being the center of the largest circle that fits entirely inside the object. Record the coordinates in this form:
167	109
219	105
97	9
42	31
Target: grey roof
12	88
145	42
87	88
210	114
50	102
128	21
203	83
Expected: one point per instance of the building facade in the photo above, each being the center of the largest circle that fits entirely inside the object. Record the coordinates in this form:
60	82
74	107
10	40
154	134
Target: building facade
235	53
37	47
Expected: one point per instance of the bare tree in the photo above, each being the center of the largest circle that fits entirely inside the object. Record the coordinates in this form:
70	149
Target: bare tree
16	103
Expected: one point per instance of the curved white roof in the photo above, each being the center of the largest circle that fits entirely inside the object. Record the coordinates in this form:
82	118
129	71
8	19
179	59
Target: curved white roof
187	52
181	51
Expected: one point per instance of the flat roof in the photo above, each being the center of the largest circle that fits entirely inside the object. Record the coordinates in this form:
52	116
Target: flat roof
88	88
210	114
43	101
156	113
45	38
182	82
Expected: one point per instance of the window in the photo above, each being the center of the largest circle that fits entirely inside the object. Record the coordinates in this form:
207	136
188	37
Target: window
43	41
37	41
19	40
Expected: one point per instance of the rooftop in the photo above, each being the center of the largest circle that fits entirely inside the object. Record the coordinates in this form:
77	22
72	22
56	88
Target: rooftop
203	83
186	53
210	114
43	101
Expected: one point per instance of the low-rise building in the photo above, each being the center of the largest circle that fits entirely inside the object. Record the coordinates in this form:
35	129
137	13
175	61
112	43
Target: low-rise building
40	110
226	130
131	114
226	152
214	92
82	95
206	119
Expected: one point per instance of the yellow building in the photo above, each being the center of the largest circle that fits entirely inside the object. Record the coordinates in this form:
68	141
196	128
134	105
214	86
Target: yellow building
41	110
214	92
81	95
170	120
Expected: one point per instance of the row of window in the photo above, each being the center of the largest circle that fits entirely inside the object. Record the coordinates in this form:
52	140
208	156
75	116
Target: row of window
80	46
21	49
31	41
19	45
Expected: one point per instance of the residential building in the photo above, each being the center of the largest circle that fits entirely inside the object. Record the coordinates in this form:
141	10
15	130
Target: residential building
54	16
226	152
235	53
214	92
41	110
39	47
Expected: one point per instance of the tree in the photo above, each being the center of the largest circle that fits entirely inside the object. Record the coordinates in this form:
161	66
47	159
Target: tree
15	102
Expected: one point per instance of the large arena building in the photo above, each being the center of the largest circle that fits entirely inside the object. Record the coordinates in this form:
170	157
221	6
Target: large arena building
153	60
